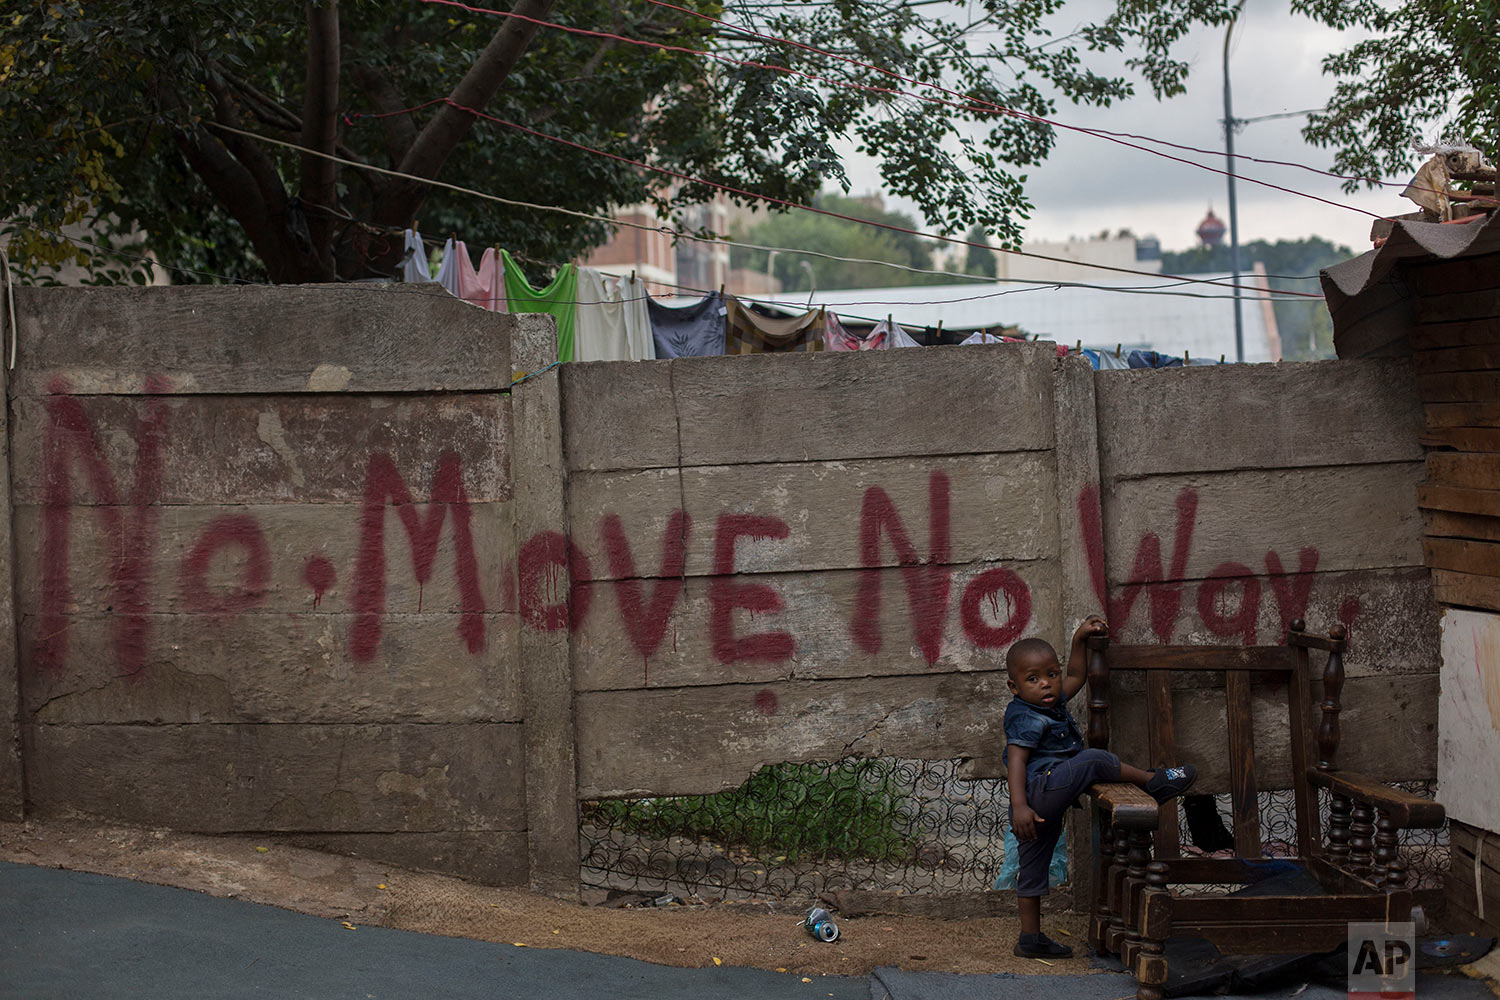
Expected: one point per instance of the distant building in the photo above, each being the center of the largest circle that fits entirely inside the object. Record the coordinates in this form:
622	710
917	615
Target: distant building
1212	229
668	266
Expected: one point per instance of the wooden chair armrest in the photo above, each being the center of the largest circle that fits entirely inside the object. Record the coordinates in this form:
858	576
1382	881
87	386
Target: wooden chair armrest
1127	805
1406	810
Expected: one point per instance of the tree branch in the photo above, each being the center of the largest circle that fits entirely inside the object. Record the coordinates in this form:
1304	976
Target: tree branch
263	172
435	143
231	184
400	130
319	176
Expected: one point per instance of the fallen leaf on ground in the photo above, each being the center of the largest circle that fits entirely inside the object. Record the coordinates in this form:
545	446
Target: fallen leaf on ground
806	980
347	925
380	886
718	961
519	944
781	968
262	850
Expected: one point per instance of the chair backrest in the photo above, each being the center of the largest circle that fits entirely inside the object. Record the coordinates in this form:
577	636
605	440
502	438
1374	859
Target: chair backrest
1239	665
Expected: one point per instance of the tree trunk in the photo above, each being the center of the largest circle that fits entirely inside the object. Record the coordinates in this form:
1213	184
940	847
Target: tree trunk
434	144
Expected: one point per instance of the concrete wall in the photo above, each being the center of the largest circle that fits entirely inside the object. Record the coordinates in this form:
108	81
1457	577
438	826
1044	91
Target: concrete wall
259	533
305	562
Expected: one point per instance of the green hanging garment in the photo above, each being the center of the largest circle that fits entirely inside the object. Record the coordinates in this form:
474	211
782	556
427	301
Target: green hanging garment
560	299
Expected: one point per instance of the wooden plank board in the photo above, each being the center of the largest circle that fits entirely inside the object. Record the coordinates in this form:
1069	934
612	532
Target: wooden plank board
797	408
1162	752
260	338
292	667
1462	438
270	557
1244	804
1445	277
1391	614
1389	728
1465	471
998	506
1441	415
1239	516
283	778
1301	415
831	628
699	740
1168	658
1442	524
1459	387
1459	333
1463	555
1474	357
1469	714
1466	590
1485	502
256	448
1483	304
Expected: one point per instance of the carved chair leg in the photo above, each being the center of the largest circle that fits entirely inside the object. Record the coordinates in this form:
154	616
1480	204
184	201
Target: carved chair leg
1361	830
1115	937
1099	924
1389	868
1139	857
1156	926
1338	830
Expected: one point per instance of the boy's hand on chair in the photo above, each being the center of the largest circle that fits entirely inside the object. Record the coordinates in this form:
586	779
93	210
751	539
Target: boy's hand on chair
1024	821
1092	625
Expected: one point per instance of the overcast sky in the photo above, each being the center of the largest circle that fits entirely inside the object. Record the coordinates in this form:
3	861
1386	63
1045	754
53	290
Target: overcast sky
1089	184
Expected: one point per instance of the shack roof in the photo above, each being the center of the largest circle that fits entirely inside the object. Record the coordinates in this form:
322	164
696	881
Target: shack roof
1369	301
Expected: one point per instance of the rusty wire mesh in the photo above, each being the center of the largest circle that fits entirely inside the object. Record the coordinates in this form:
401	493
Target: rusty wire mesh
797	830
793	831
1424	852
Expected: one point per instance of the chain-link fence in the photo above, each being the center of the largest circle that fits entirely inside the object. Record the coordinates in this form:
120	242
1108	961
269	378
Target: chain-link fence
793	831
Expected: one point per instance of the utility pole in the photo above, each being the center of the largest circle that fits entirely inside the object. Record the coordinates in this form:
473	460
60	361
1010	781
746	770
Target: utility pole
1234	216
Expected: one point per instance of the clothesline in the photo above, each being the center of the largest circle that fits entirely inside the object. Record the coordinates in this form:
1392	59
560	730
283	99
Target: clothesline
605	317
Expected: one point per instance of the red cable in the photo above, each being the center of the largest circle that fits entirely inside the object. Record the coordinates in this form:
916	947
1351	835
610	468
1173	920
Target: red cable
972	103
839	215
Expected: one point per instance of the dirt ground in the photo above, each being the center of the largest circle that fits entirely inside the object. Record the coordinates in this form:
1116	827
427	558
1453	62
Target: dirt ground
369	893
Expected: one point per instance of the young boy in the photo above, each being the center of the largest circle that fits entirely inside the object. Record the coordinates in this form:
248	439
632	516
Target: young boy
1049	769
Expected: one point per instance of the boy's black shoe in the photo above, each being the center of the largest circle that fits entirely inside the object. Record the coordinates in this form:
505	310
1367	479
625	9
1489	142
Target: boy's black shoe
1169	782
1039	945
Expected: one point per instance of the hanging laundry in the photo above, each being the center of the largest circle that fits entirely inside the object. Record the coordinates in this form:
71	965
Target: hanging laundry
447	275
896	335
1202	361
414	267
638	339
486	286
985	338
841	338
558	299
612	324
691	331
1151	359
1104	360
746	332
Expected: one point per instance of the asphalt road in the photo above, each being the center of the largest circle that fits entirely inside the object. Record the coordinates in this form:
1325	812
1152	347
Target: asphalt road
76	935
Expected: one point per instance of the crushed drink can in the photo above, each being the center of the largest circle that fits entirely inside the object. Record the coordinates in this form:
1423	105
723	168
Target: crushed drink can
819	923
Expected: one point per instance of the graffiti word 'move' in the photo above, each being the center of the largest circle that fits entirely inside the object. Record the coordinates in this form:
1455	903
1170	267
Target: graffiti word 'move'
646	609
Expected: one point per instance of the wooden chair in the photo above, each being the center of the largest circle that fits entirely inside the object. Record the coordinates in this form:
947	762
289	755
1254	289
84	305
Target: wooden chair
1139	900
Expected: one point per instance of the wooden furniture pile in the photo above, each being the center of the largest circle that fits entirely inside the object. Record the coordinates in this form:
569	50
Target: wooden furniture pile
1144	886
